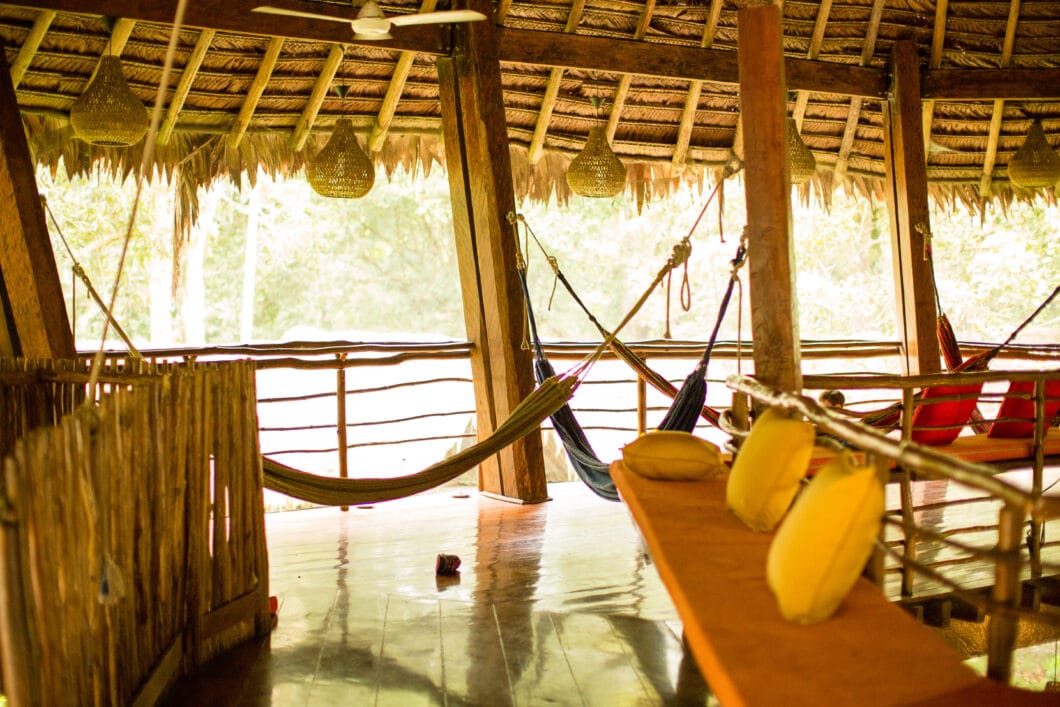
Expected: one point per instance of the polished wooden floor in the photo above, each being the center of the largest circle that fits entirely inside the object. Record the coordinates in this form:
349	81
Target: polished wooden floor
554	604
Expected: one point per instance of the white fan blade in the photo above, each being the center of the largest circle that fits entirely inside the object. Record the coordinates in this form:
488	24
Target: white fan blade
271	10
441	16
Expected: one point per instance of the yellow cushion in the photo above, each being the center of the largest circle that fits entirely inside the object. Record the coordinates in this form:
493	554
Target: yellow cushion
822	546
769	468
668	455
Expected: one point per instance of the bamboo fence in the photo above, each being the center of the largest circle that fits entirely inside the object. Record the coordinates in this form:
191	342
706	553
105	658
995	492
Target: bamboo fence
132	545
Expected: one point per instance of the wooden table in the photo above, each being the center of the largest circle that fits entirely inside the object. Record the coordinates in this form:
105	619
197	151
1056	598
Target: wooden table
870	652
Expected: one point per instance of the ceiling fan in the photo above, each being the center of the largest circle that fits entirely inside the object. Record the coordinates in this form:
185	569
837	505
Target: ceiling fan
371	24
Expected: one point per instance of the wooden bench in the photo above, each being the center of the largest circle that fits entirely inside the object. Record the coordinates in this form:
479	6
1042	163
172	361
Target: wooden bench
870	653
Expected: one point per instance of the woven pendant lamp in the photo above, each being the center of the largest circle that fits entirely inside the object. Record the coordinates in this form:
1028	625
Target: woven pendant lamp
596	171
801	161
341	170
107	112
1035	164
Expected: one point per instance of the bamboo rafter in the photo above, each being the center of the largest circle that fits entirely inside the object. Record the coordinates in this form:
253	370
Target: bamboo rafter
393	92
622	91
816	40
985	185
187	78
29	47
938	40
854	114
257	88
548	102
316	99
695	88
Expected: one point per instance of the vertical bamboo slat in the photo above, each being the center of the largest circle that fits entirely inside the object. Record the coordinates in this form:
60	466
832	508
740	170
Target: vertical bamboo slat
122	489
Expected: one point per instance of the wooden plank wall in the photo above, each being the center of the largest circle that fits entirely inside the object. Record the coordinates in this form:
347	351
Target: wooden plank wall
108	588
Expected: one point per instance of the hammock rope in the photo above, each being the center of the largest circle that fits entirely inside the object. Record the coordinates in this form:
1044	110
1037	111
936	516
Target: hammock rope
79	271
688	402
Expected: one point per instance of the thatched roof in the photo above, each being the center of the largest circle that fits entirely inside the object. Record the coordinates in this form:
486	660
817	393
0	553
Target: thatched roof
661	72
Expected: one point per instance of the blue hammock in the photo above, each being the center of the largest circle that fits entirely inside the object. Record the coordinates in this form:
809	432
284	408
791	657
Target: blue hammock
684	412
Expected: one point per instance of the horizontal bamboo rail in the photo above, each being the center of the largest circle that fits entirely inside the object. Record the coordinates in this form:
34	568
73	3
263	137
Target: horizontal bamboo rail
133	546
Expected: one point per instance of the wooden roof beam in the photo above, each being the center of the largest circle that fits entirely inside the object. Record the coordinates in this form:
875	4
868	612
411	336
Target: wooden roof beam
548	102
316	98
480	186
257	87
34	311
988	84
187	78
868	49
695	89
672	61
985	184
627	79
393	91
29	47
938	41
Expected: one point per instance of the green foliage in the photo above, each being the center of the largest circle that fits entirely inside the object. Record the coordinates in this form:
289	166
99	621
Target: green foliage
385	266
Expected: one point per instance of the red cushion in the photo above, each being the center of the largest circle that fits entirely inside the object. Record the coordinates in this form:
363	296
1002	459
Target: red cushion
940	415
1024	408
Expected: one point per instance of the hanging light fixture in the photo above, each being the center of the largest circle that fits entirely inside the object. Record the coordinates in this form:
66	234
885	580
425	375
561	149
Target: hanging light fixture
341	169
596	171
108	112
801	161
1035	164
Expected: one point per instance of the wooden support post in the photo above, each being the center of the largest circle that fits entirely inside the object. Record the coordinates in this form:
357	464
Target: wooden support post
907	201
774	321
32	298
480	184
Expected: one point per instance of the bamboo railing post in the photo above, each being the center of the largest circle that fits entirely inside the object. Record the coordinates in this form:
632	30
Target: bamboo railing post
642	406
876	568
1001	637
908	532
1036	477
340	423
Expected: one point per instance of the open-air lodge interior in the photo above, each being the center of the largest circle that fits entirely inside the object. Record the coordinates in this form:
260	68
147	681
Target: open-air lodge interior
788	551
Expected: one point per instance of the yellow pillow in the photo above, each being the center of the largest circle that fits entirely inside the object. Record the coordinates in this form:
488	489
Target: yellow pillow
823	544
769	468
670	455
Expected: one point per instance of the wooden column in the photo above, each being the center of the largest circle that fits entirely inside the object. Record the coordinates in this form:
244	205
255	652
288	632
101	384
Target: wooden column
34	309
774	319
480	184
907	202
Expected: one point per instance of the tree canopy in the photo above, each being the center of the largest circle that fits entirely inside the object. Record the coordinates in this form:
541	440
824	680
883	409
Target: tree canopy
384	267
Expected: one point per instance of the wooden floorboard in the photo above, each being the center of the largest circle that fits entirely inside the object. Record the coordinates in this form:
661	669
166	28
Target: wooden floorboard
554	603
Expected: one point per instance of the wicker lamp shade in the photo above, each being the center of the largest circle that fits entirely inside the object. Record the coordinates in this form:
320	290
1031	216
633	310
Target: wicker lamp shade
801	161
596	171
1035	164
341	170
108	112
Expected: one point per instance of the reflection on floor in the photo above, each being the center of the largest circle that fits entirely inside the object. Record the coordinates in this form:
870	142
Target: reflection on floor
553	604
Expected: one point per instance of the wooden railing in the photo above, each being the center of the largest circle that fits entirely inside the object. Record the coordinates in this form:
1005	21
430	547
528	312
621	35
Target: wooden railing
408	404
132	547
1017	507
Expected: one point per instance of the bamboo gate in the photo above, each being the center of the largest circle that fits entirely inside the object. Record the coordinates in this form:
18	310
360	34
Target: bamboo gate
132	540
